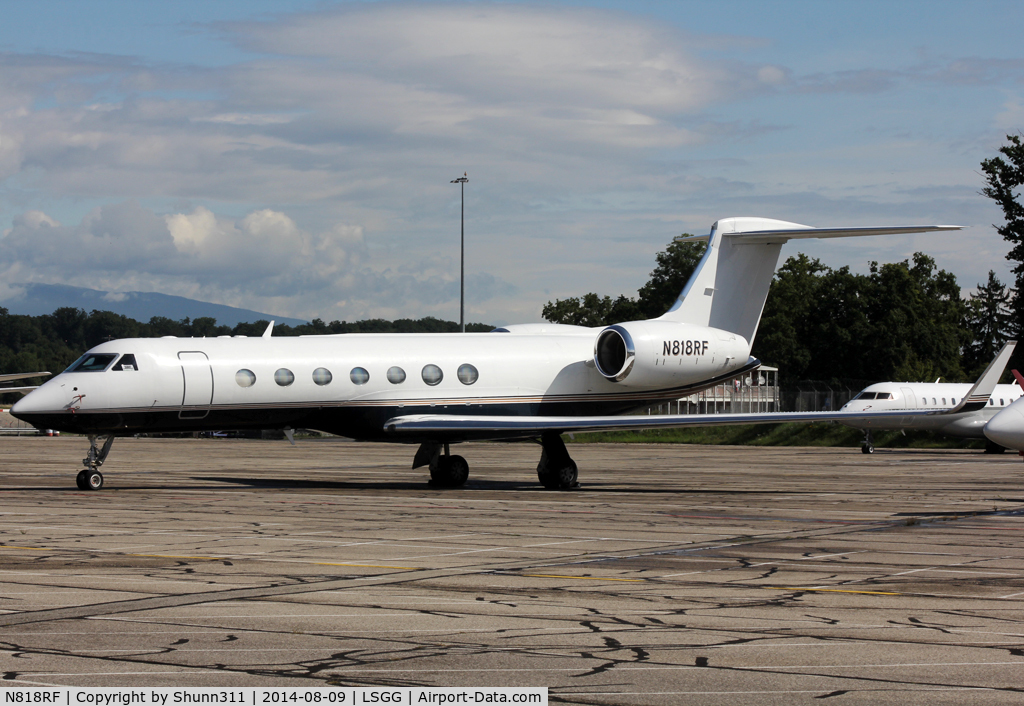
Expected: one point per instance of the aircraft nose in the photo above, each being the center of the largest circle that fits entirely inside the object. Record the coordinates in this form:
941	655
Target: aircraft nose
45	399
1007	427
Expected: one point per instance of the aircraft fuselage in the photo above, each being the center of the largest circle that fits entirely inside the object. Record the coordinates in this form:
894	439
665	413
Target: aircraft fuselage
351	384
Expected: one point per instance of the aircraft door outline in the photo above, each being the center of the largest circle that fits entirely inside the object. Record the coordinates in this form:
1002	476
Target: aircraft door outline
911	399
197	377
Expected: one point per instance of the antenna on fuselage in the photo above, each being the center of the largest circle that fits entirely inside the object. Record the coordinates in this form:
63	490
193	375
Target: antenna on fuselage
270	330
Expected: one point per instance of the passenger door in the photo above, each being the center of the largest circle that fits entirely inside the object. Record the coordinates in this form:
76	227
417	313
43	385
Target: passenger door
909	398
198	377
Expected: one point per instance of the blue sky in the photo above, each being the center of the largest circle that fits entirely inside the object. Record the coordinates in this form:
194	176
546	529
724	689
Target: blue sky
294	157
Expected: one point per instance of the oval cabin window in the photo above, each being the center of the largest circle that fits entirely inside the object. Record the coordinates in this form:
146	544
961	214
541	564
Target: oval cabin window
322	376
396	375
359	376
468	374
432	374
245	378
284	377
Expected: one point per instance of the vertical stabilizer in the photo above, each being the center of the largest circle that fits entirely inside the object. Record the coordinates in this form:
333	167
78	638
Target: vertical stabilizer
728	288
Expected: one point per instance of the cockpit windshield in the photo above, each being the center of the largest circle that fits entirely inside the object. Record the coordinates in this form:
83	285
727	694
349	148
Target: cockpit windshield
865	396
92	363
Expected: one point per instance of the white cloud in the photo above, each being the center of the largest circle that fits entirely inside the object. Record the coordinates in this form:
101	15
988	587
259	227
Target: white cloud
263	260
590	137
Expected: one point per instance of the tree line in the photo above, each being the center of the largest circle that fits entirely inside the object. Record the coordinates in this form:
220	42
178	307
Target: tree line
901	321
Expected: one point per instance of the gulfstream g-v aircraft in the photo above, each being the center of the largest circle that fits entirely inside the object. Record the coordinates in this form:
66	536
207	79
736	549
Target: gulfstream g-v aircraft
531	381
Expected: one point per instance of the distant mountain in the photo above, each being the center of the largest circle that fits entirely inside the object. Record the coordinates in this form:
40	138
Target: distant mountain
41	299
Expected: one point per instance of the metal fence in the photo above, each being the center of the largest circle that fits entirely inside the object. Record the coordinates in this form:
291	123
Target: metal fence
820	396
755	392
10	426
760	392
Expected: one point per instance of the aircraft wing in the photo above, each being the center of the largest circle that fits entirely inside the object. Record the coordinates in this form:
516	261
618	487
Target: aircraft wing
7	377
22	390
480	426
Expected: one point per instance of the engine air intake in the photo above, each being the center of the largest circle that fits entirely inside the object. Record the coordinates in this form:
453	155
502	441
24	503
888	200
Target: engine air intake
614	353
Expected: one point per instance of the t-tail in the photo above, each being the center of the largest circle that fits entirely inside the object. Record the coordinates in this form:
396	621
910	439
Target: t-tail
728	289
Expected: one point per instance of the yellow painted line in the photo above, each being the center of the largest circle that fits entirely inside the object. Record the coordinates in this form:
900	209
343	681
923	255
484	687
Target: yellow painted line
174	556
32	549
582	578
829	590
367	566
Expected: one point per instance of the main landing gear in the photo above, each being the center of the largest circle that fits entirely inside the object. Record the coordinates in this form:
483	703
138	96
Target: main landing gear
446	471
90	477
556	470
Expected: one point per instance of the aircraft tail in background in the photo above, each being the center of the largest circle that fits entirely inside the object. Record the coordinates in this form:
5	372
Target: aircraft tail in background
728	289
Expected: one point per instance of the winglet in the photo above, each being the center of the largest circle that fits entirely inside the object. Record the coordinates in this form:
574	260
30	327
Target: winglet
977	397
269	331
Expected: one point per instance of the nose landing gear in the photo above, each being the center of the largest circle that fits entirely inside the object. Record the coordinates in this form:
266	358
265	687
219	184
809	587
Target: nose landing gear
90	477
867	447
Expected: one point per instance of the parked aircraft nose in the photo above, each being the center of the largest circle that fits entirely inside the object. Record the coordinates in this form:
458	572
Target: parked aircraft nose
46	399
1007	427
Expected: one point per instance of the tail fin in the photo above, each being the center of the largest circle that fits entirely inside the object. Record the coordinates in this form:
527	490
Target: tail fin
729	287
977	397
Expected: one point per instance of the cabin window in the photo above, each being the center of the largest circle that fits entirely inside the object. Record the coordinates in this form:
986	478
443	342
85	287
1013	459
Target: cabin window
943	400
127	362
934	403
396	376
322	376
92	363
953	400
432	374
924	401
991	401
359	376
284	377
1001	403
245	378
468	374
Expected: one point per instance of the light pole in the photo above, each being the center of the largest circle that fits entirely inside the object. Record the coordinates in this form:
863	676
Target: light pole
461	181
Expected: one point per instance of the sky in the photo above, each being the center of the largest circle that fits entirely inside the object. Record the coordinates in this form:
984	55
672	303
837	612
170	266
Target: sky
296	157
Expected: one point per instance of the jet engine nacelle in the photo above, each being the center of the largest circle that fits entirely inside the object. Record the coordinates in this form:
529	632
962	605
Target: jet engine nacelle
659	354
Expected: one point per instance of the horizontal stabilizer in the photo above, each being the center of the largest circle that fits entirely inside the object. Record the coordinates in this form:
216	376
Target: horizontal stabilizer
22	390
728	288
781	235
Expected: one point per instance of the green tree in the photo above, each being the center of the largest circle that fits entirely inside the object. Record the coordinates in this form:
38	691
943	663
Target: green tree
591	310
989	321
903	321
1005	177
675	264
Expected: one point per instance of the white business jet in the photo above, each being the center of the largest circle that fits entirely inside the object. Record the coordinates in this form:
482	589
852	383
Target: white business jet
1006	428
967	424
531	381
